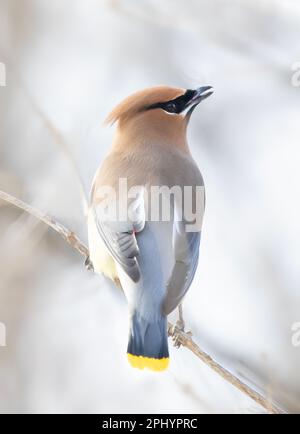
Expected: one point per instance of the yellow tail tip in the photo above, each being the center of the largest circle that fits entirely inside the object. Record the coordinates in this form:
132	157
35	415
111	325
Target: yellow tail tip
142	362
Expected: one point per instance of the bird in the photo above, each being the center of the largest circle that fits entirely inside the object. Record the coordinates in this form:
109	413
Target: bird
139	234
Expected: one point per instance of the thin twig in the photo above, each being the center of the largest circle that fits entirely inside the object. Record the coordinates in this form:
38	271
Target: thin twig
184	339
68	235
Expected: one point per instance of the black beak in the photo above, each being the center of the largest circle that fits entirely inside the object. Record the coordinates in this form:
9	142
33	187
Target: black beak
200	94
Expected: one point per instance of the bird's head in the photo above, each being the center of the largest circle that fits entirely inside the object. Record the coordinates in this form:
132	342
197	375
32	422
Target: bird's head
158	113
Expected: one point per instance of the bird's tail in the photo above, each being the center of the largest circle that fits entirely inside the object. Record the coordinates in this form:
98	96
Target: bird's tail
148	343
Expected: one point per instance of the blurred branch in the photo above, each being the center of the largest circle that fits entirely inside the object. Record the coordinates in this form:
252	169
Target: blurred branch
254	47
58	139
56	134
184	339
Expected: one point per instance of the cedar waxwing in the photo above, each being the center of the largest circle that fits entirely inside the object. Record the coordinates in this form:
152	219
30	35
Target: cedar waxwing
154	260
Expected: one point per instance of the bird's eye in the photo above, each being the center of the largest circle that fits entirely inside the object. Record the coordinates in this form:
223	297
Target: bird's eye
171	107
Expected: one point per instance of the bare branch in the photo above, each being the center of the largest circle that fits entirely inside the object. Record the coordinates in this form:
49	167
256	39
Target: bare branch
68	235
186	340
183	338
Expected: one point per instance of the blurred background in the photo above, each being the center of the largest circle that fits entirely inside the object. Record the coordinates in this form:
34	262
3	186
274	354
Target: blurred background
68	62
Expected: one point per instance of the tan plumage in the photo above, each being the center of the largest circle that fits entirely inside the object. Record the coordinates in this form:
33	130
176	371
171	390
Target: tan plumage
136	102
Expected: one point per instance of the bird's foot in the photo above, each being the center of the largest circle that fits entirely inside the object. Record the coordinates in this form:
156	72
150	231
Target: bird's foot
180	324
177	332
88	264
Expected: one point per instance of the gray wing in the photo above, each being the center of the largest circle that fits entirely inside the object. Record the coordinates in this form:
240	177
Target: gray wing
186	243
186	247
119	234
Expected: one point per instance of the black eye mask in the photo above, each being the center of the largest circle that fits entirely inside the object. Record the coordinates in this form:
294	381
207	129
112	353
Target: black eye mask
176	105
